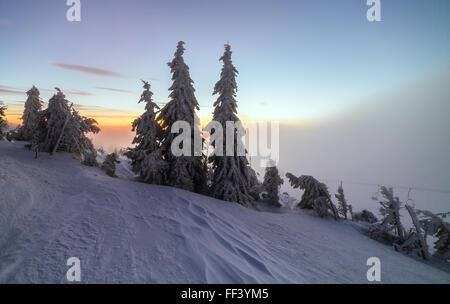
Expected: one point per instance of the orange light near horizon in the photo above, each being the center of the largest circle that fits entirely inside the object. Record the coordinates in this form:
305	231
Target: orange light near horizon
14	113
113	121
104	117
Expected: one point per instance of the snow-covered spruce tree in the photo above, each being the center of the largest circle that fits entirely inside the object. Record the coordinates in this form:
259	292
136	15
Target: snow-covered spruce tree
343	205
3	122
56	117
65	129
186	171
146	156
390	231
271	184
109	164
390	210
315	196
76	140
255	185
232	176
31	116
435	225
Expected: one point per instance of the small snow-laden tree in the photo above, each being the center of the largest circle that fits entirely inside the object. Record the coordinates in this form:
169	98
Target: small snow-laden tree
146	156
109	164
232	177
435	225
254	185
65	129
379	233
185	171
288	201
321	206
56	118
3	122
364	216
350	209
75	139
271	184
390	210
154	168
313	190
342	202
31	116
90	159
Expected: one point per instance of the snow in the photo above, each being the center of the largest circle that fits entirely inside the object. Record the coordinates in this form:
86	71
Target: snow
124	231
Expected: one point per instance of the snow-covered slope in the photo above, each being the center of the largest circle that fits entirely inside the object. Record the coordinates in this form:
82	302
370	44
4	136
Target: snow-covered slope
54	208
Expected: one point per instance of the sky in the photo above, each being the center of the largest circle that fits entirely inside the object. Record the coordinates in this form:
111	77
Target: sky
315	66
298	60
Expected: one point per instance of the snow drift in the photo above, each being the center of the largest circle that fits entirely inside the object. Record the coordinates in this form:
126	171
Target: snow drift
123	231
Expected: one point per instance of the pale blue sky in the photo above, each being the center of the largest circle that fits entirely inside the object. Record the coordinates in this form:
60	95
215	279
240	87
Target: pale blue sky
298	60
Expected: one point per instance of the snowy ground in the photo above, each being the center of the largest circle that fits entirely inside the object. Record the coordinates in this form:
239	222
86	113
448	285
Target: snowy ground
123	231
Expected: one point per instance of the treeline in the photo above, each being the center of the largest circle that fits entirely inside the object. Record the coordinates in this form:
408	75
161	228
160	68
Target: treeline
59	127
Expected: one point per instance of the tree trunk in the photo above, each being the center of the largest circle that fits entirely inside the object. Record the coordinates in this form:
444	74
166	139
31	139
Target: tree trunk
62	133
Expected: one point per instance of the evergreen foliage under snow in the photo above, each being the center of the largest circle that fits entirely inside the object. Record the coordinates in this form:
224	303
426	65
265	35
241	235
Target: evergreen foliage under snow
30	117
271	184
415	240
187	171
363	216
435	225
342	202
232	177
315	196
109	164
390	230
390	210
146	156
3	122
62	128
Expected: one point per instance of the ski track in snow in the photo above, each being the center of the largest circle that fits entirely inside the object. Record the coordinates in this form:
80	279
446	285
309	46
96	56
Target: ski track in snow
123	231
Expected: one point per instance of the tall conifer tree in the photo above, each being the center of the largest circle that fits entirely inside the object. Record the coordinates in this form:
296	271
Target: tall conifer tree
231	178
187	171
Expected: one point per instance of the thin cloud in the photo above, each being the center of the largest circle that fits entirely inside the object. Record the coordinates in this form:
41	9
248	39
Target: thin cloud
21	91
87	70
8	87
14	102
82	93
10	90
103	110
113	90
